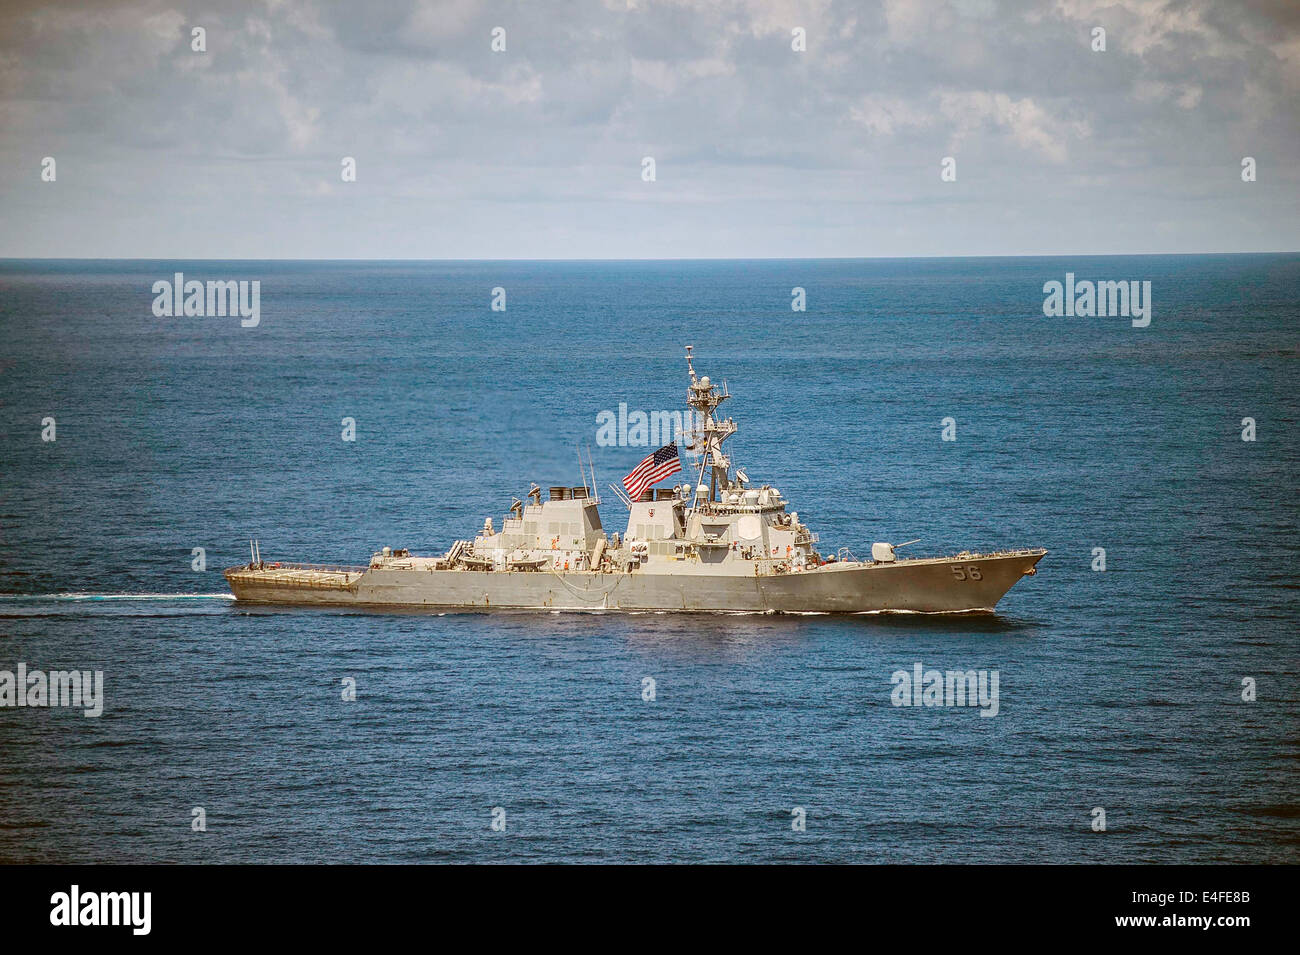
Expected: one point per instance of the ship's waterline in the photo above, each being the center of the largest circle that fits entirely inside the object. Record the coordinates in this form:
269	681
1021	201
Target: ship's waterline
719	545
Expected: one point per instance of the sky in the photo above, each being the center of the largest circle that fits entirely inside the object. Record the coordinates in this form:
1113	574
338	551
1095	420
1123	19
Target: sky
537	150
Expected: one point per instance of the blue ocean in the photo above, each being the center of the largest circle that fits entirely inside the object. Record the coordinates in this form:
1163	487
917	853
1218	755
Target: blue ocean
1162	690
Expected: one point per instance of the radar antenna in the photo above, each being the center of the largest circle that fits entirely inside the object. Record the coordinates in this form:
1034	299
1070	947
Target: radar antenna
703	397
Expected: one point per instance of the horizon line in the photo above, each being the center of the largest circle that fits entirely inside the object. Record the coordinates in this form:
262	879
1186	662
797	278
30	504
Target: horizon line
709	258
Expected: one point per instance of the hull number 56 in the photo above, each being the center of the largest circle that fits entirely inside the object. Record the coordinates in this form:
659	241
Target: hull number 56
970	572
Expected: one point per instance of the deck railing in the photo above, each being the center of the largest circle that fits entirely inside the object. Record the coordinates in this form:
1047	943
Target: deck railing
326	568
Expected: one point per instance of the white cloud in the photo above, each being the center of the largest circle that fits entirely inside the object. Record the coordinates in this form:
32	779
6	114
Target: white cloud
1028	123
740	124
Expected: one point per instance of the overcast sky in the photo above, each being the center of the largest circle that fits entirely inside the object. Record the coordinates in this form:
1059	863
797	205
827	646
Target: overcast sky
759	150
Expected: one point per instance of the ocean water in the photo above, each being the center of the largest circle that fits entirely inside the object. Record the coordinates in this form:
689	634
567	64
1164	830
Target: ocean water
1119	689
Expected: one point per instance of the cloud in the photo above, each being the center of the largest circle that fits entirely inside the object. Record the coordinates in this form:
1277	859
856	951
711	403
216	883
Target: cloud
546	139
1028	123
884	115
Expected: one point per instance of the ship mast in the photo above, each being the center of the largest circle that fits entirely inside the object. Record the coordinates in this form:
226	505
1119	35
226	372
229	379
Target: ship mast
704	397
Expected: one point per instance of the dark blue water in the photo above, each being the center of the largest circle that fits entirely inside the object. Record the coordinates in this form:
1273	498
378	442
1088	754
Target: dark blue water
1118	689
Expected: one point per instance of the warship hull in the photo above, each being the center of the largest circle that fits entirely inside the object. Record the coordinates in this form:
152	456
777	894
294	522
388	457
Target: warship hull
961	584
723	545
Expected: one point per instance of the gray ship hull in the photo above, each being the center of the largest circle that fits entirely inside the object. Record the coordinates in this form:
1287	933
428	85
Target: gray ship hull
966	583
722	545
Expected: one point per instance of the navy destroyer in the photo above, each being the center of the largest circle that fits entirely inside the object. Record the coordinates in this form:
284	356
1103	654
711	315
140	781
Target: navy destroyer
719	544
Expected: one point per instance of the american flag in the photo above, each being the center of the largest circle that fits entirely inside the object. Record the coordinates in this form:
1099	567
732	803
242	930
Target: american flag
652	470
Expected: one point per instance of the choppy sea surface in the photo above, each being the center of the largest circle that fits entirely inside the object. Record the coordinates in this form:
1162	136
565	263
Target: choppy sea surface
1119	689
